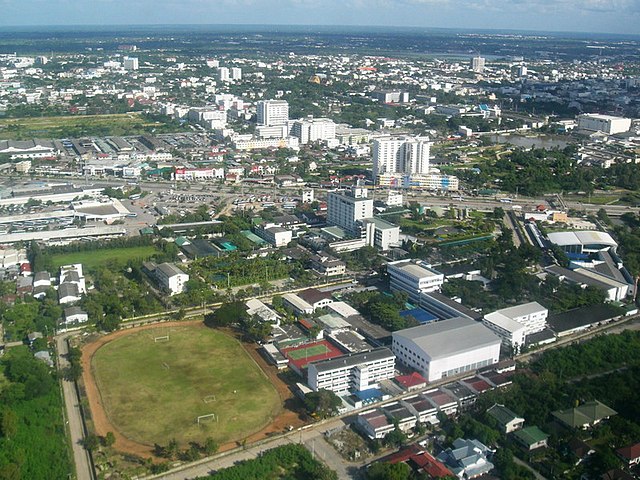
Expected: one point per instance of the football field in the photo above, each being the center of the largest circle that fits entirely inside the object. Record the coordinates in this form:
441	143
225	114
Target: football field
187	383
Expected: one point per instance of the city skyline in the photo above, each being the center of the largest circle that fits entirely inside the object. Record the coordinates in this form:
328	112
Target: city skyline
597	16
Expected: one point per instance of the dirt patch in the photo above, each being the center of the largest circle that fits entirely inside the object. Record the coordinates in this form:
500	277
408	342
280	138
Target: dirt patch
287	418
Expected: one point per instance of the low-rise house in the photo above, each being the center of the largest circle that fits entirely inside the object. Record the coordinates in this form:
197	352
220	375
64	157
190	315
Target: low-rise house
374	423
41	279
531	438
443	401
400	415
584	416
424	411
467	458
74	316
507	420
258	309
68	293
630	455
327	265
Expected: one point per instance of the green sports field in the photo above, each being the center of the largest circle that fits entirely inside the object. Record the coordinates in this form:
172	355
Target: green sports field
307	352
153	391
99	258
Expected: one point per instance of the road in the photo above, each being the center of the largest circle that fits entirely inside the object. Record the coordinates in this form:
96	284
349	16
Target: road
84	466
311	438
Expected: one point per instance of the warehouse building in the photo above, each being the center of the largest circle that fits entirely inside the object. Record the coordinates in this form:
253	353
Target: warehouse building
449	347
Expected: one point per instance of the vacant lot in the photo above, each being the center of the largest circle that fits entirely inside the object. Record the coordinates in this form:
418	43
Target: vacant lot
102	257
75	126
154	389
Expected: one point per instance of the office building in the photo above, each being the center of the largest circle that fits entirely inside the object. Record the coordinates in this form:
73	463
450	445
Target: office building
171	278
130	63
413	277
352	372
346	209
407	155
449	347
272	112
608	124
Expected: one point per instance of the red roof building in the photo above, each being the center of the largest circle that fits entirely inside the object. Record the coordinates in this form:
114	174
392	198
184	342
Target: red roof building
630	454
414	381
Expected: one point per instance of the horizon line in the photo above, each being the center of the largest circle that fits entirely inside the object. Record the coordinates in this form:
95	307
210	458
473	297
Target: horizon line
303	25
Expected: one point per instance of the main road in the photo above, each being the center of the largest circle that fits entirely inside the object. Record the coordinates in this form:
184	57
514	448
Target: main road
82	460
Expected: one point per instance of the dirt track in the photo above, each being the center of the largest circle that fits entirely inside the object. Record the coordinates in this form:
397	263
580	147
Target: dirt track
101	421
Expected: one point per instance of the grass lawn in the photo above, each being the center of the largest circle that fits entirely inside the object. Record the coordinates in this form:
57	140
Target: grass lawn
74	126
97	258
153	391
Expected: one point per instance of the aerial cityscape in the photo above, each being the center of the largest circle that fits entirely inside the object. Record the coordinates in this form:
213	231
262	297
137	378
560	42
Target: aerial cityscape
320	252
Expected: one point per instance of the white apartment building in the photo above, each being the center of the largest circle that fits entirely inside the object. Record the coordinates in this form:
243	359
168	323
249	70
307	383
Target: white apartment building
347	209
272	112
130	63
408	155
171	278
512	333
353	372
413	277
256	144
314	129
446	348
236	73
194	174
223	74
477	64
381	234
447	183
276	236
532	316
608	124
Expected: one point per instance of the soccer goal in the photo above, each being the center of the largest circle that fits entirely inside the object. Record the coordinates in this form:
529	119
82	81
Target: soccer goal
209	399
208	418
164	338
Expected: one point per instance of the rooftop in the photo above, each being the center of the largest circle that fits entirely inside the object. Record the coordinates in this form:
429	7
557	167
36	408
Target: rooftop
353	359
449	337
530	435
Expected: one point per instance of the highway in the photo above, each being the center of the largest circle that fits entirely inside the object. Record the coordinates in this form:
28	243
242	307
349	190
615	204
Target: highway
75	424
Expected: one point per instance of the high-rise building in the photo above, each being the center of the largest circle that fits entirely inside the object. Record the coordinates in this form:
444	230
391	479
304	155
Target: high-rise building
130	63
346	210
236	73
477	64
223	74
273	112
409	155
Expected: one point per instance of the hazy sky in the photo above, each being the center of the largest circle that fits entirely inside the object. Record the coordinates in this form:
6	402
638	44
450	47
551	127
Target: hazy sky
612	16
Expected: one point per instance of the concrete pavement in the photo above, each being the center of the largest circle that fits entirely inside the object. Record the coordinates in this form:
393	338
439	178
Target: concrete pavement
81	458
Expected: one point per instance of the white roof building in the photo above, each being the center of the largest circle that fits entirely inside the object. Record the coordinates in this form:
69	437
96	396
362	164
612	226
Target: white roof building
583	241
446	348
414	277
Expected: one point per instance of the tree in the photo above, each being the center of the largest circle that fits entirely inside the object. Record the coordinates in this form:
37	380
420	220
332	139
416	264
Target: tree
91	442
228	314
8	424
109	439
210	446
322	403
389	471
395	437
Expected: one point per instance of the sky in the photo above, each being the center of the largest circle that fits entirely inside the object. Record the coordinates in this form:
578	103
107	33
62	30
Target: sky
602	16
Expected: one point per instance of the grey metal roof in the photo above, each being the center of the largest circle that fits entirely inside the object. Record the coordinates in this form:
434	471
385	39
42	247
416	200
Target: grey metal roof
352	359
449	337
